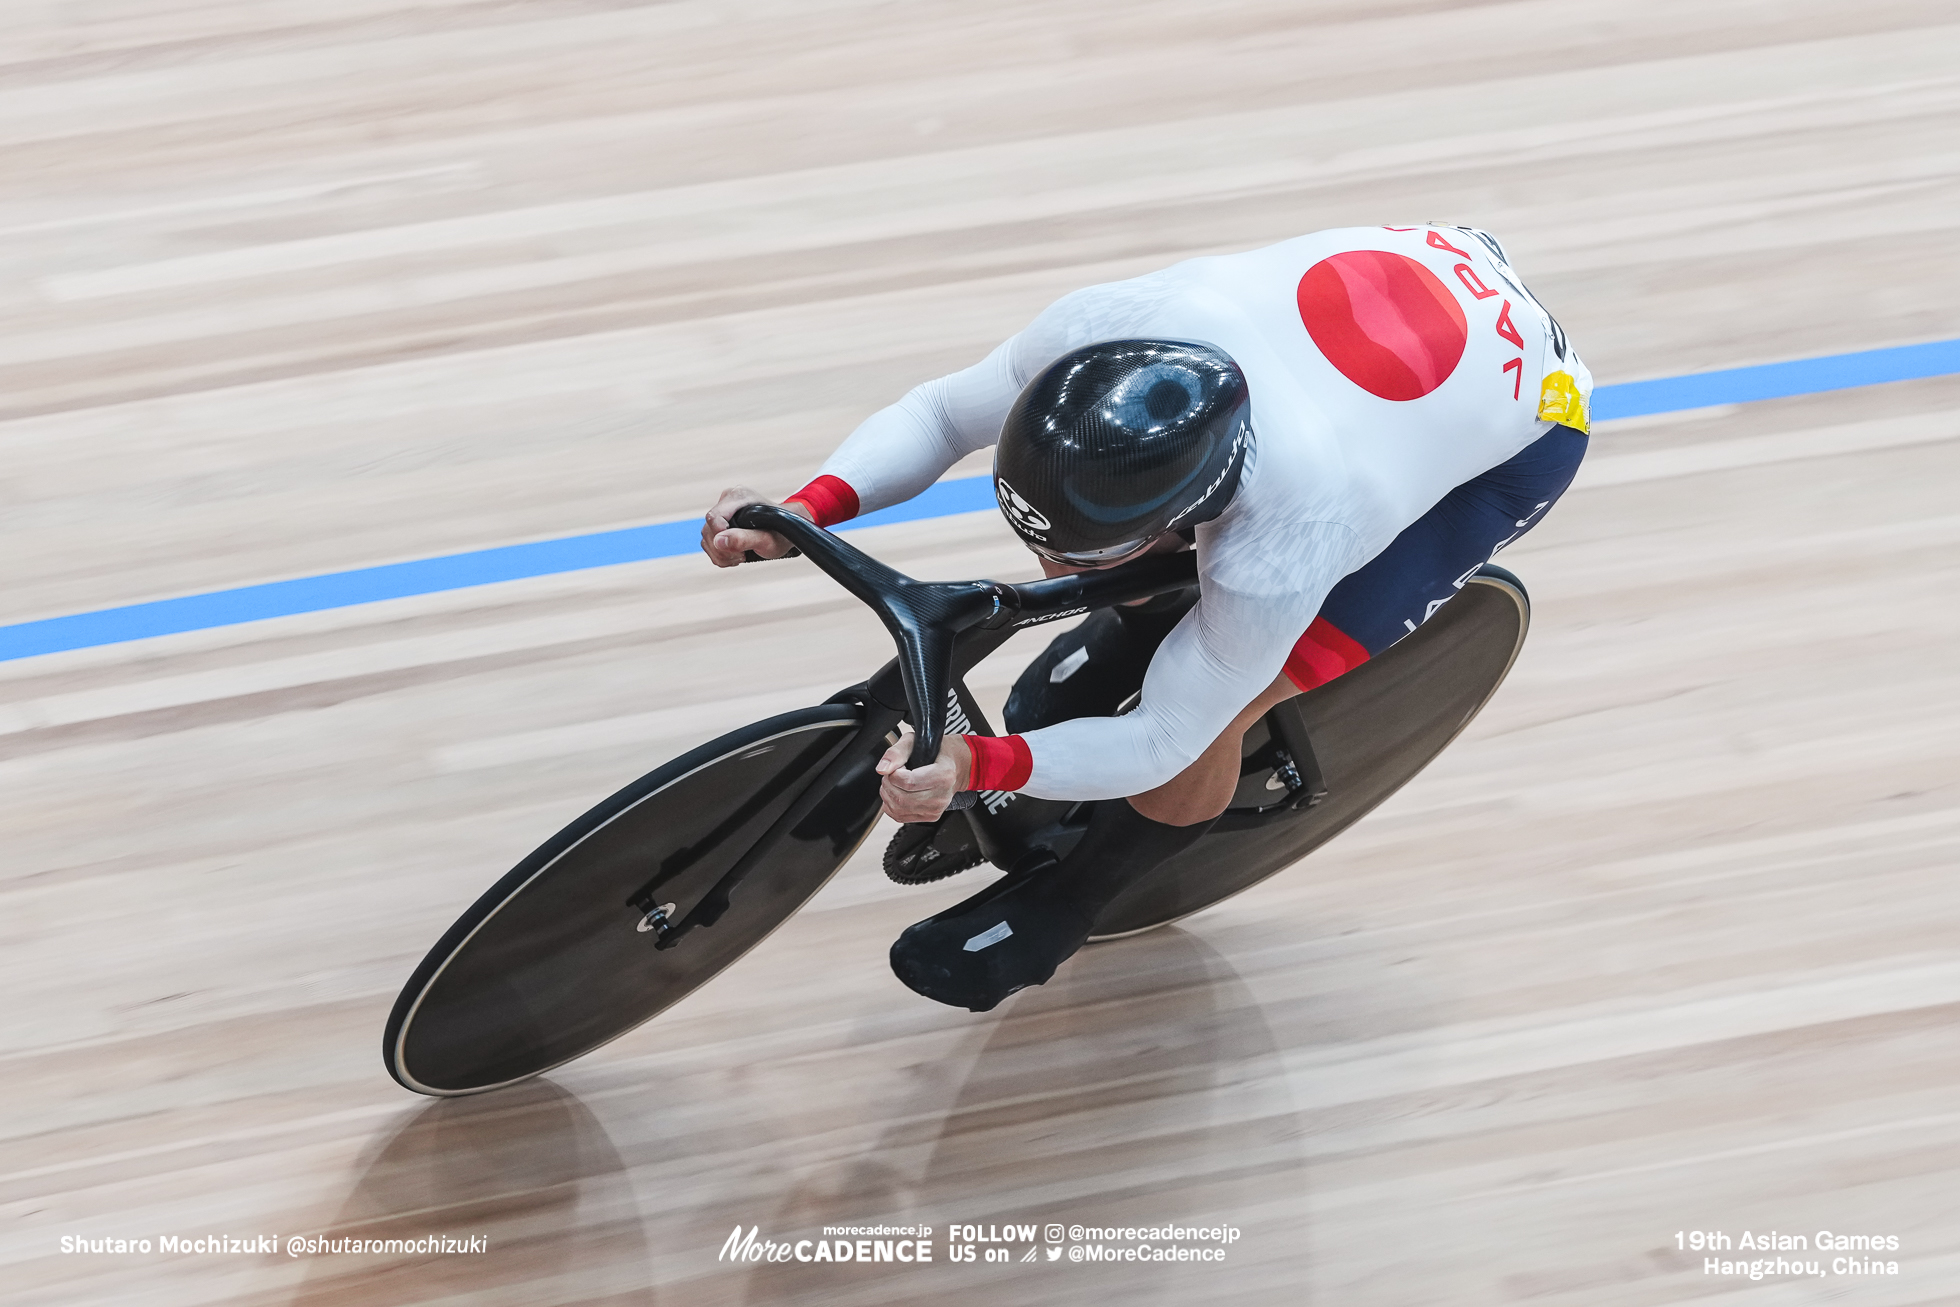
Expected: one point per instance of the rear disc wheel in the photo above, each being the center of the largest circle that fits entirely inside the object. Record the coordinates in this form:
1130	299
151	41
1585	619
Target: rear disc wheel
1372	730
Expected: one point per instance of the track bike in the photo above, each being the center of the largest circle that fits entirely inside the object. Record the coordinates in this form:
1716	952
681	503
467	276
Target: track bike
659	888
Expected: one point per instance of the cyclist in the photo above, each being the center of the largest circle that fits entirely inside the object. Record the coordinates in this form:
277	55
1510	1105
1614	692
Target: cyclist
1346	425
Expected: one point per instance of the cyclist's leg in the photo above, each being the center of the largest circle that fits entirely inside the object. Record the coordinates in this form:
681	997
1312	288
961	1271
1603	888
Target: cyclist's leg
1011	936
1203	790
1404	585
1090	670
1014	933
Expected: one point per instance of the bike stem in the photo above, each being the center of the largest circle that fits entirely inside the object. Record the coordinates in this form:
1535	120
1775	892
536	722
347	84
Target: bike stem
926	618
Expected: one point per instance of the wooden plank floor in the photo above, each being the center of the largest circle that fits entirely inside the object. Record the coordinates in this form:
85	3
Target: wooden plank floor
1667	942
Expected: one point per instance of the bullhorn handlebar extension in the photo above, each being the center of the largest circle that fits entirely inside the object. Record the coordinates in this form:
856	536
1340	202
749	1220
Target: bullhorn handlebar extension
925	618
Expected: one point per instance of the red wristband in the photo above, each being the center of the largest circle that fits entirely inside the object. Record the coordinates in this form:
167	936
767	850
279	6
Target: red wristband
829	499
999	763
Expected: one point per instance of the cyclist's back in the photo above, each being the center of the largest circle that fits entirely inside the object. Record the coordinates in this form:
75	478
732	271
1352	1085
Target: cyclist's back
1386	366
1408	410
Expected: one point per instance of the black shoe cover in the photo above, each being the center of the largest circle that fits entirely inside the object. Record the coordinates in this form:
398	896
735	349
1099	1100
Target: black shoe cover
1005	938
1019	929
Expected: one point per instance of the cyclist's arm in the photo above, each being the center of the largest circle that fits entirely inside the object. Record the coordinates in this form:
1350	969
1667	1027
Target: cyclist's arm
1226	651
903	448
894	454
900	450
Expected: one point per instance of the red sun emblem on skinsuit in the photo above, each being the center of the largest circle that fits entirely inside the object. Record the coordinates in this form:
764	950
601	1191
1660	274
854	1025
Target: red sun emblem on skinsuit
1388	323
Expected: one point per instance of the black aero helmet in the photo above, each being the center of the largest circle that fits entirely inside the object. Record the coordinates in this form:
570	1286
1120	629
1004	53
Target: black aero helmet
1114	444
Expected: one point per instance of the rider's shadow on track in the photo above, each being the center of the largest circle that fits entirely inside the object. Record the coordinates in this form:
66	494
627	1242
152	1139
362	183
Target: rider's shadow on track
1141	1086
530	1169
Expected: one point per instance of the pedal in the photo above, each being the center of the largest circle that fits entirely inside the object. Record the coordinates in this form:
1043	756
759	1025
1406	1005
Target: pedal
1301	792
926	851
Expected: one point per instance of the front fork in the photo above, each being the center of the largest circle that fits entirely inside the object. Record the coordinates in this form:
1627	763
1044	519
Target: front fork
1013	830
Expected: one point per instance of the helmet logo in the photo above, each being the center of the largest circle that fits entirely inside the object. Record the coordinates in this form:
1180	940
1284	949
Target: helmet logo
1231	464
1025	517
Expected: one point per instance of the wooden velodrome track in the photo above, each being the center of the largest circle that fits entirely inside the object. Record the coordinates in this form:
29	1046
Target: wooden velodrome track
1666	942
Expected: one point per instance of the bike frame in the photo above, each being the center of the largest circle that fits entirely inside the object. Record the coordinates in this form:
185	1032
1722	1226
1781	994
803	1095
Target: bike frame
943	629
793	818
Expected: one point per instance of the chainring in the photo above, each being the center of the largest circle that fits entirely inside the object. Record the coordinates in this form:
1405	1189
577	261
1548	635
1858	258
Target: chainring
925	851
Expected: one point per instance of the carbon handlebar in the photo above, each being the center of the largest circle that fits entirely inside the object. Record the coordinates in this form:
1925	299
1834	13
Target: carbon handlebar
926	617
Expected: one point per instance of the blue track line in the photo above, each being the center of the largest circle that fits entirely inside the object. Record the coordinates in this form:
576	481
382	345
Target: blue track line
1777	380
364	585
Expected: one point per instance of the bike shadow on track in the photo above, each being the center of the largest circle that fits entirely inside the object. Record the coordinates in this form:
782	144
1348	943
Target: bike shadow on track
1141	1086
530	1169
